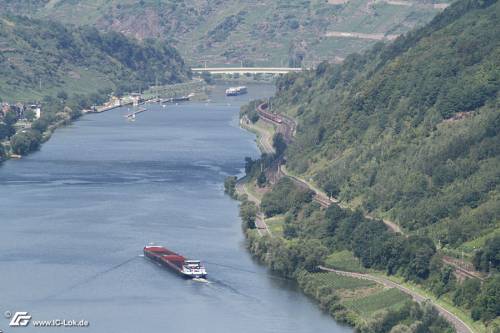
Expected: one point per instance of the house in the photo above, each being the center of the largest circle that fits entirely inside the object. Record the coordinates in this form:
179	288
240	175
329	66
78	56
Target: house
37	110
136	98
4	109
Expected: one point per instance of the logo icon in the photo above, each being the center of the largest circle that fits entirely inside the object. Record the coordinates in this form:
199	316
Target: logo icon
20	319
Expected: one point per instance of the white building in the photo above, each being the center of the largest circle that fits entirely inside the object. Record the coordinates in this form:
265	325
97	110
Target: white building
37	109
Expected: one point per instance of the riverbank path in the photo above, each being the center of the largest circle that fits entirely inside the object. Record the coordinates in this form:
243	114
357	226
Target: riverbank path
260	223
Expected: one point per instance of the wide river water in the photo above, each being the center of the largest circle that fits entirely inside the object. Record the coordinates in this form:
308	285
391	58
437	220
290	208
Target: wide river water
75	216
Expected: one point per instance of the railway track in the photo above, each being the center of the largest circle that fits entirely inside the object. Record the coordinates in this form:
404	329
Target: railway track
464	272
287	126
460	325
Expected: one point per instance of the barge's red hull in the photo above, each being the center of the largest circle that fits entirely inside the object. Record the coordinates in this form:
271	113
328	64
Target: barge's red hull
169	259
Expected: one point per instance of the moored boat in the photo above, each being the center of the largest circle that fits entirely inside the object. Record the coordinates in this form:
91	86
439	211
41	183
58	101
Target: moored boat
184	98
235	91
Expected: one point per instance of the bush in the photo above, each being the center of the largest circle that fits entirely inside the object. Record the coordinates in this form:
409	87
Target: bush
25	142
284	196
40	125
488	257
230	186
248	213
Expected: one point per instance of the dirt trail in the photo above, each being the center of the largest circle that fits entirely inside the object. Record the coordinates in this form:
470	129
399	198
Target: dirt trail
360	35
264	138
261	225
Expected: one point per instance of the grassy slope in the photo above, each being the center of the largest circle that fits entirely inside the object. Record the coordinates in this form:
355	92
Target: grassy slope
344	261
266	34
361	298
385	299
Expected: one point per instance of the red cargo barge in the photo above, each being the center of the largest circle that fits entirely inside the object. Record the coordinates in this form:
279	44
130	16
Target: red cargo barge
186	267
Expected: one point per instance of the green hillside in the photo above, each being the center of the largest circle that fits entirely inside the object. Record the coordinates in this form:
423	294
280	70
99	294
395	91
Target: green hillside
264	32
410	131
407	132
39	58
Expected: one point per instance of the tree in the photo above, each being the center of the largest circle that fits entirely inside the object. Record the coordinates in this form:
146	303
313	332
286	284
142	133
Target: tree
249	163
5	131
40	125
29	115
289	230
443	280
331	188
488	302
421	250
285	196
230	186
74	113
25	142
10	118
466	293
253	115
315	254
3	153
262	179
279	144
63	95
489	256
248	213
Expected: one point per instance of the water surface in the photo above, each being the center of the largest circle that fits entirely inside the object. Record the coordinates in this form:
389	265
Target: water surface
75	216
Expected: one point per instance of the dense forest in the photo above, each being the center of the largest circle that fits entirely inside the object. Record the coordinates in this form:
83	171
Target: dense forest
309	234
39	58
409	131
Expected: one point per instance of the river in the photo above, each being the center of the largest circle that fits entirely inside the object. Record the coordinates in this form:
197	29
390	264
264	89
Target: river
75	215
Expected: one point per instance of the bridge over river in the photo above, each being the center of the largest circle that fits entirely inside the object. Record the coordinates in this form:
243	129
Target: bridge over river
246	70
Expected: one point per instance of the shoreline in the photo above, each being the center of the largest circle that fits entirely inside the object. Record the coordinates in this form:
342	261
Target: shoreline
194	85
46	135
341	314
261	235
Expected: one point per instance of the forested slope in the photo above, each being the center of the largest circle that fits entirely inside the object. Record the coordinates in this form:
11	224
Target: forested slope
263	32
411	130
39	58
